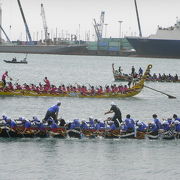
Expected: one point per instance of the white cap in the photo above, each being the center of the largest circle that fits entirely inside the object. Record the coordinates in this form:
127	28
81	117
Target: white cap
90	117
112	104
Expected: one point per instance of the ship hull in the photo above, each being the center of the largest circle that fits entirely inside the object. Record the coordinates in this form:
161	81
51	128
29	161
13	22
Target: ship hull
43	49
155	47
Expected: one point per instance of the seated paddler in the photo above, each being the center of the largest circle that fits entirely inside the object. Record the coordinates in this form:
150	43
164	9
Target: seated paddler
84	125
75	124
52	124
10	123
141	126
175	117
130	124
152	129
26	124
156	121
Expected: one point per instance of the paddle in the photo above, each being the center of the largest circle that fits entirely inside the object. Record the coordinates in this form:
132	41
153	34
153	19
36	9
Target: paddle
169	96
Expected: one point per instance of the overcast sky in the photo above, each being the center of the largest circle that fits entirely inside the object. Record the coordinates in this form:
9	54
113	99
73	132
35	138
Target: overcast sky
68	15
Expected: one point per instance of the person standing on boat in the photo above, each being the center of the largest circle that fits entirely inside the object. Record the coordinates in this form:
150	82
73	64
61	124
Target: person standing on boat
53	112
132	70
47	83
117	118
140	72
4	76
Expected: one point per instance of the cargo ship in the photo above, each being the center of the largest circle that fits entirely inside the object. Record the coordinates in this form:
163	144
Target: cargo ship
71	49
165	43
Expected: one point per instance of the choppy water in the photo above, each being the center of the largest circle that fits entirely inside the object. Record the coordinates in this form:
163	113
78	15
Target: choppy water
87	158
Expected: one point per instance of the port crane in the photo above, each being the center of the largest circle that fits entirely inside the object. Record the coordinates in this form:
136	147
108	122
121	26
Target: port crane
25	23
99	26
44	23
5	34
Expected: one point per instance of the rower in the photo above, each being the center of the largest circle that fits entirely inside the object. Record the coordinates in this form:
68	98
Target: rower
75	124
53	112
4	76
52	123
152	129
129	122
4	117
10	123
47	83
156	121
91	123
26	124
176	117
141	127
84	125
117	114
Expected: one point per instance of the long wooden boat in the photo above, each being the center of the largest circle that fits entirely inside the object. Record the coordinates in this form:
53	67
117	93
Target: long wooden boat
15	62
125	77
134	90
62	132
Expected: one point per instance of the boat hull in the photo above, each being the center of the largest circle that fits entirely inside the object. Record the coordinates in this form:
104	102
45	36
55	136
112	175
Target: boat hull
43	49
155	47
16	62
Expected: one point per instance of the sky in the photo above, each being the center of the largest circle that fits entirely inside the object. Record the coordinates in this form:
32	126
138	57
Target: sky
65	17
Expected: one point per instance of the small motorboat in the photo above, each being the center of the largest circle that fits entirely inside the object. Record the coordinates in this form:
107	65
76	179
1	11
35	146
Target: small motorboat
16	62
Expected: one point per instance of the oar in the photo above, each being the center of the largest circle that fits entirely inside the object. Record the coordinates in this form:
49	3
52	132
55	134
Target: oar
169	96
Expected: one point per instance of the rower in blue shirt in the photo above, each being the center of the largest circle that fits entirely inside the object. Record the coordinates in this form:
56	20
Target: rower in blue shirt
4	117
53	112
26	124
176	117
52	123
142	127
91	123
10	123
156	121
165	126
129	122
152	129
84	125
177	126
75	124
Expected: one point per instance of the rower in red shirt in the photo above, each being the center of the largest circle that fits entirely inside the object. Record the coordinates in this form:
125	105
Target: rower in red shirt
4	76
47	83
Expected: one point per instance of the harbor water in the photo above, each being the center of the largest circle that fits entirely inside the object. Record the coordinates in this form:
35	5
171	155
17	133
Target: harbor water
89	159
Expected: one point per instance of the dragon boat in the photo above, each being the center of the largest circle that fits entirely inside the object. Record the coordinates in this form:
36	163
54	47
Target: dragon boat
118	76
63	132
134	90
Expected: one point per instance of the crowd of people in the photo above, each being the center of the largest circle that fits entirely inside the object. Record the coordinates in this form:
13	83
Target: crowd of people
127	125
150	77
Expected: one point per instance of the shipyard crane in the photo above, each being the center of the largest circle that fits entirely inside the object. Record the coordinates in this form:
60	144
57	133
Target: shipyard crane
99	26
5	34
44	22
25	23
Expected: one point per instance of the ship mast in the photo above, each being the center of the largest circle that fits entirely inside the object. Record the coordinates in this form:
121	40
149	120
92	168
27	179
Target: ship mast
137	14
25	23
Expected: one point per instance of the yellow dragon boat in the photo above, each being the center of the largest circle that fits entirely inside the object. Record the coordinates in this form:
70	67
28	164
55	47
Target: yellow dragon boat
134	90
